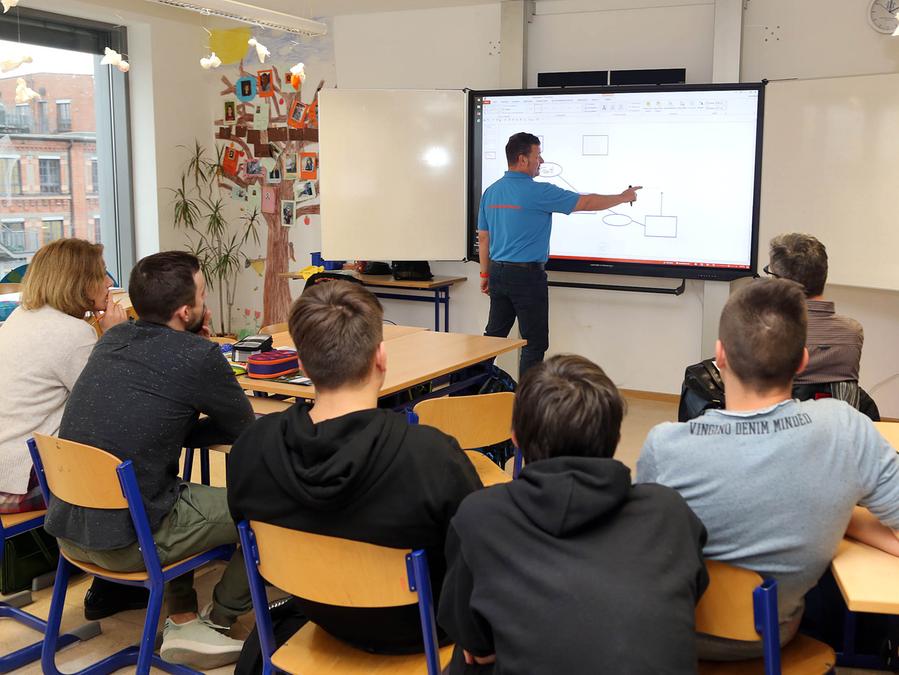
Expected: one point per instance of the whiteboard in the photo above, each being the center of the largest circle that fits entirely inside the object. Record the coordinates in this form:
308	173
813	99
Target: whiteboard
393	174
830	167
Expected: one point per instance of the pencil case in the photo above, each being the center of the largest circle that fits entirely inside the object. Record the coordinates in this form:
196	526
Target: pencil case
269	365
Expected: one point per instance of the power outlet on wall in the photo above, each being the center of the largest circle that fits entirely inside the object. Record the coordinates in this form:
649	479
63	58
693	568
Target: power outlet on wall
494	47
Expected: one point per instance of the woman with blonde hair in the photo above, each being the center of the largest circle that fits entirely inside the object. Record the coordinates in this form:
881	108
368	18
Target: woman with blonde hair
44	345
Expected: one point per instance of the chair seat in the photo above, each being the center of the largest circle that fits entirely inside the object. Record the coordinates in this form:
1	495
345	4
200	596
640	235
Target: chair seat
802	656
90	568
488	472
12	519
312	650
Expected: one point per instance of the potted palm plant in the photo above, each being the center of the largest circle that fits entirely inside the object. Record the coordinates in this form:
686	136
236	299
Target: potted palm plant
218	243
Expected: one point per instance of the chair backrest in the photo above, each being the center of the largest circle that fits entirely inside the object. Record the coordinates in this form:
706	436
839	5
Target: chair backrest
80	474
333	571
273	328
475	421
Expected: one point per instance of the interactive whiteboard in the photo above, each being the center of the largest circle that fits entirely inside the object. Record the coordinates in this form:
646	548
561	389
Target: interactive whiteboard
695	150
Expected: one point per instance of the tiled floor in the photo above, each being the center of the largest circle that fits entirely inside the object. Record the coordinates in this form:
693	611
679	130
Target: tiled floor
125	628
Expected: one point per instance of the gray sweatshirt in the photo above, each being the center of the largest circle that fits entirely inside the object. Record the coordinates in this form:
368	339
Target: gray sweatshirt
775	487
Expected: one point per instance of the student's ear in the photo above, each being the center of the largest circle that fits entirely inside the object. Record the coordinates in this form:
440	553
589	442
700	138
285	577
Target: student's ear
804	363
381	358
720	356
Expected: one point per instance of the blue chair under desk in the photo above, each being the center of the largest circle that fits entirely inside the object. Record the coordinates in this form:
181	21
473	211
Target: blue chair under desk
10	608
92	478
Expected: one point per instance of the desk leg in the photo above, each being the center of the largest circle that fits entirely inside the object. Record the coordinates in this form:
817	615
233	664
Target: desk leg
437	310
848	657
446	310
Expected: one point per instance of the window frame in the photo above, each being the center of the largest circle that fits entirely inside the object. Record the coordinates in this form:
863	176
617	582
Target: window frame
49	188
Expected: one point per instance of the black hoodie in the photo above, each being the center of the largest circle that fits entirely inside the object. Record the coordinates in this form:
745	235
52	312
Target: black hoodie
571	569
368	476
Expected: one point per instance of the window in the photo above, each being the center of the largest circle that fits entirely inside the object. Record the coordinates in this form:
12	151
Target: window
43	119
10	176
52	229
23	117
88	105
51	181
63	116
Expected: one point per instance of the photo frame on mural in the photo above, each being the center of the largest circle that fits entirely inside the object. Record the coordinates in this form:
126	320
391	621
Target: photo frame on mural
245	88
260	115
265	83
290	166
295	116
253	167
309	165
230	160
274	176
287	213
304	190
230	112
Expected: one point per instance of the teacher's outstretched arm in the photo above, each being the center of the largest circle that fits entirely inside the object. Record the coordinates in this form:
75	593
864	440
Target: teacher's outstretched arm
595	202
484	256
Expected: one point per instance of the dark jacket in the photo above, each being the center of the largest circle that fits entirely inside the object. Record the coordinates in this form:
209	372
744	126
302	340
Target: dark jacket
571	569
140	397
367	476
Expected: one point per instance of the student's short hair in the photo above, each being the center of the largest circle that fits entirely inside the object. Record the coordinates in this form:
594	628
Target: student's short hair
567	406
336	327
520	144
762	328
161	283
64	274
800	258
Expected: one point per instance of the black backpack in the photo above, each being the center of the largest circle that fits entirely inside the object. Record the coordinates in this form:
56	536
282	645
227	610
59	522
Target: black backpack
702	390
411	270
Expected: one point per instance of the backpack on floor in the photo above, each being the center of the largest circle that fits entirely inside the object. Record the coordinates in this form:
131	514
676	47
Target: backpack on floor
702	390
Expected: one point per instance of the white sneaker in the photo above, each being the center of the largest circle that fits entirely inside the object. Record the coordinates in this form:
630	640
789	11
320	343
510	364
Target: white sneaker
198	644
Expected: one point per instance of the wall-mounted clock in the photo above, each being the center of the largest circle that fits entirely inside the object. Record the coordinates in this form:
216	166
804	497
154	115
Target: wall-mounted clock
882	15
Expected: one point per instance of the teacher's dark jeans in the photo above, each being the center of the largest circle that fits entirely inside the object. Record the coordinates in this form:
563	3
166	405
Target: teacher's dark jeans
520	292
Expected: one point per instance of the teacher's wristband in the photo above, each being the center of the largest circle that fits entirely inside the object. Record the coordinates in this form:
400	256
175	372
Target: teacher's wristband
485	275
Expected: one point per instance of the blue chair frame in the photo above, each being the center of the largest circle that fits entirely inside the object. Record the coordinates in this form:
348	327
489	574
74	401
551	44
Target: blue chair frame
11	609
419	582
140	656
764	609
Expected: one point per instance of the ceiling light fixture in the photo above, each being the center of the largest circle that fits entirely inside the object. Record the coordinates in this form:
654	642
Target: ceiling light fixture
245	13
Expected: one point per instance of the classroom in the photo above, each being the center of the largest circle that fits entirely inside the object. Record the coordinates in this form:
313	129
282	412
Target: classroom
202	127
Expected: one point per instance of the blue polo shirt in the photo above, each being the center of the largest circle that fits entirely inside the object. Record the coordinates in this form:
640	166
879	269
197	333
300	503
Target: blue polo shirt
517	212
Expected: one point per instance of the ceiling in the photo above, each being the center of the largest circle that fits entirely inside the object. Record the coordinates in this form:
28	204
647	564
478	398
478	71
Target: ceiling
319	8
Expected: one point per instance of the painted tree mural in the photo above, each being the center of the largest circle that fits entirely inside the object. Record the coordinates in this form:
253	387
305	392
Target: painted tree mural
271	141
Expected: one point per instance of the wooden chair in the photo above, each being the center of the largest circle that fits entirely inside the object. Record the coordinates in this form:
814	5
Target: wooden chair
740	605
92	478
10	526
273	328
337	572
475	421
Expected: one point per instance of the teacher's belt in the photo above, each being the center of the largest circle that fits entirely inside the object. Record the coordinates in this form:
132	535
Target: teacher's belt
525	265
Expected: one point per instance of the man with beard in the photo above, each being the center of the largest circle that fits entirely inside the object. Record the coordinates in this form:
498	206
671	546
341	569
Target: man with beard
140	397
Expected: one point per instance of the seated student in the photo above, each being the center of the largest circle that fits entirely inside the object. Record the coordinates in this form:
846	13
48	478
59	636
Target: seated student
775	480
834	342
570	568
344	467
140	397
45	343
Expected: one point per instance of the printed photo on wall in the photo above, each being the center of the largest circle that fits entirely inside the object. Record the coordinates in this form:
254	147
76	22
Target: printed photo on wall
245	88
230	159
295	116
238	193
230	112
304	190
309	165
290	166
274	176
287	213
253	167
264	83
260	116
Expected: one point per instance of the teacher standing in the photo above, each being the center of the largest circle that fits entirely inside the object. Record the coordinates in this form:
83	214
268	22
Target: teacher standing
514	226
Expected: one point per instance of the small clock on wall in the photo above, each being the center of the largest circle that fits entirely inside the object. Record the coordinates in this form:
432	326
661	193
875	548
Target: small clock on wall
882	15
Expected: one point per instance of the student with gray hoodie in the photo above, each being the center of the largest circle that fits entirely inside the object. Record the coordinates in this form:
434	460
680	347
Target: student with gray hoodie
571	568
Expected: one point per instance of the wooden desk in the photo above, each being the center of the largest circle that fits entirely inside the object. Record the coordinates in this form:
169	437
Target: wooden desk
391	332
439	286
412	359
868	578
890	431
